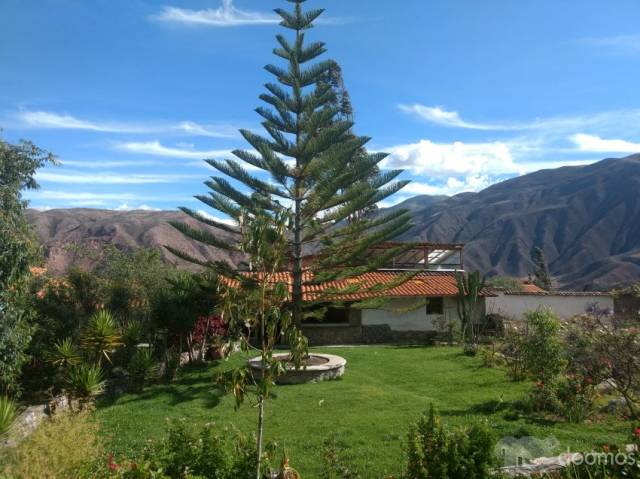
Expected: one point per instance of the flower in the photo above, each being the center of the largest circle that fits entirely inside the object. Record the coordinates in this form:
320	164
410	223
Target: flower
113	466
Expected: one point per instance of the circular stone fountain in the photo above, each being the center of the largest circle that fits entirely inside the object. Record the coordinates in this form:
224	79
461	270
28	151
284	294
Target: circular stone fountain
316	367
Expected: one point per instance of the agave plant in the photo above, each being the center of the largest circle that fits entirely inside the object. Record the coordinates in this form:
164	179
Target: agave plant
8	414
101	336
142	368
84	382
64	355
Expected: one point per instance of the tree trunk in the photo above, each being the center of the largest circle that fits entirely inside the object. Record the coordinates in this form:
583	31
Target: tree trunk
204	339
260	431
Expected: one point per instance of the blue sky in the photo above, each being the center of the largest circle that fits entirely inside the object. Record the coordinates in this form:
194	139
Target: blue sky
131	94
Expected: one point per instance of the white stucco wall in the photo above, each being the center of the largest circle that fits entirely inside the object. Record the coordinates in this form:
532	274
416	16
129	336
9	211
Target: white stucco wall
414	320
514	306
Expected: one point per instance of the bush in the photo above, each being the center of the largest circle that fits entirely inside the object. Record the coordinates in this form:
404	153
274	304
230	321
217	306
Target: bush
435	453
84	382
207	454
337	463
62	447
101	336
8	414
513	353
576	397
543	351
142	369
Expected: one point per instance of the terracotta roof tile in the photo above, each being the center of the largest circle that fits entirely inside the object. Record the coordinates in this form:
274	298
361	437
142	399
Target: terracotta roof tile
424	284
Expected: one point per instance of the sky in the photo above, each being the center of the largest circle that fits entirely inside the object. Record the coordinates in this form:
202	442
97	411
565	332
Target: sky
131	95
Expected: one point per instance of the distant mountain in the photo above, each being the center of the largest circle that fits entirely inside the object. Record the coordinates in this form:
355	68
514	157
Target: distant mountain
586	219
61	229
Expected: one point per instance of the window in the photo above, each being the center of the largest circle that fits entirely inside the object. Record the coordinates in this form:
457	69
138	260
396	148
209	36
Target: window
331	315
435	305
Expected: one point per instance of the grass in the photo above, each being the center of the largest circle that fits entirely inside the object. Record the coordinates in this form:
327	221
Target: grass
383	390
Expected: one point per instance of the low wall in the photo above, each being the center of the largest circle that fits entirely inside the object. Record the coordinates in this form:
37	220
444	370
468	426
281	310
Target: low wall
563	304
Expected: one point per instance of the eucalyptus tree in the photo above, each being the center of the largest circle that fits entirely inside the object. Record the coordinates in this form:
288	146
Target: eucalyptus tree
309	163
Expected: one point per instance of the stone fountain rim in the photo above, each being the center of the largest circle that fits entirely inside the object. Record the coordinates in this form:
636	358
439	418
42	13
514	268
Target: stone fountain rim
334	362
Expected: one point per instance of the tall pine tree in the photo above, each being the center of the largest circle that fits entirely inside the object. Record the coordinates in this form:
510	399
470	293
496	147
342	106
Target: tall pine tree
312	163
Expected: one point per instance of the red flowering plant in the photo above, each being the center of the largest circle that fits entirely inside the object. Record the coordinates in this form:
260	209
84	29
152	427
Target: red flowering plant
208	333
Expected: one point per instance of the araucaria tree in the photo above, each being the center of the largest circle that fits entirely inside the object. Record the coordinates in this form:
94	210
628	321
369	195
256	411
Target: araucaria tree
312	166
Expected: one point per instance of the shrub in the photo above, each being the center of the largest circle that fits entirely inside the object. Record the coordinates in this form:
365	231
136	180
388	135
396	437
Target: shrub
336	462
435	453
142	369
513	353
490	356
84	382
101	336
577	397
543	351
64	354
8	414
207	454
62	447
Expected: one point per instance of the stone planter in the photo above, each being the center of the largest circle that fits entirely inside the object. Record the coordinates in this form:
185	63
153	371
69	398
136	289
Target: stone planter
321	367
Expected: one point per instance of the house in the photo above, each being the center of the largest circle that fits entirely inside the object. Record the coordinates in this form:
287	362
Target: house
415	311
566	304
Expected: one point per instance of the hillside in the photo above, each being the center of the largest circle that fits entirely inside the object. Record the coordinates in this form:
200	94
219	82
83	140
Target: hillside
61	229
587	220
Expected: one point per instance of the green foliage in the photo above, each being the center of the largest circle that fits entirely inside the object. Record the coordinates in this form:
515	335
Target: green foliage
577	397
206	453
470	288
142	369
316	169
18	165
101	336
84	382
65	354
543	350
8	414
541	271
64	446
338	462
507	283
433	452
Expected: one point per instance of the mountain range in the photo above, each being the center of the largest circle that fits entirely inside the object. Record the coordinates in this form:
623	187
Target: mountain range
585	218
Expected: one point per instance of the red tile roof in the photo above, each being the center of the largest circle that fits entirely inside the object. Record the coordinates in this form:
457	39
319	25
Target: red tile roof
424	284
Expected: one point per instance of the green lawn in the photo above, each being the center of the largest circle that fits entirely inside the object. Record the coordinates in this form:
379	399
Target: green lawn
383	390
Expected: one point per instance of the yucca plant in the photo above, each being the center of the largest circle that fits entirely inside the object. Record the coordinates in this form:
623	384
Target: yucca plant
8	414
101	336
142	368
64	355
84	382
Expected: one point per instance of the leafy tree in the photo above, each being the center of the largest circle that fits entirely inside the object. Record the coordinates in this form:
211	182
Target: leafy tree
541	272
18	164
470	288
255	302
311	164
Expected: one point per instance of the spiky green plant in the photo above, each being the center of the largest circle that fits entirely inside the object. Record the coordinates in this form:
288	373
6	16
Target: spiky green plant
312	165
8	414
65	354
142	368
84	382
101	336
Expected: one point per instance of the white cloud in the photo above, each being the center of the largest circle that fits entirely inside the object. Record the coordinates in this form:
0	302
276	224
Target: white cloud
86	196
126	207
549	127
227	15
157	149
111	179
452	159
50	120
226	221
440	116
596	144
618	44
